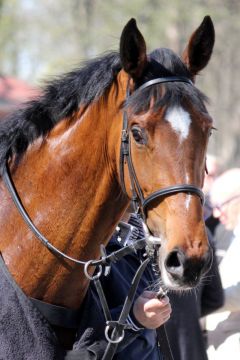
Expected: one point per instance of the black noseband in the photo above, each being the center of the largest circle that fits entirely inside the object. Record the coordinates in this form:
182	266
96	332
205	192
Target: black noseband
184	188
138	199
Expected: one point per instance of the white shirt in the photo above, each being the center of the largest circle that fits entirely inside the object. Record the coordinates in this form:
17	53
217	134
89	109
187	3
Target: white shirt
229	269
224	326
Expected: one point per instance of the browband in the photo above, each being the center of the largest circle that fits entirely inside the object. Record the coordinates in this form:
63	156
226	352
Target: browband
165	80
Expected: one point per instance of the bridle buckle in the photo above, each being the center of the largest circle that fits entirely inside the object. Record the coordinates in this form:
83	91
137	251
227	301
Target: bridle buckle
125	135
150	239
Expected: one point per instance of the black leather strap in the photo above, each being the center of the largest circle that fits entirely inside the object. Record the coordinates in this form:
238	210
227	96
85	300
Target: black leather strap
118	326
6	177
165	80
170	190
164	343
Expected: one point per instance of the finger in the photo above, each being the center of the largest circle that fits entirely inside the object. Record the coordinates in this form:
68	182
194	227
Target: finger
165	319
165	310
164	316
163	307
155	305
152	295
166	313
164	300
159	312
159	321
167	316
149	294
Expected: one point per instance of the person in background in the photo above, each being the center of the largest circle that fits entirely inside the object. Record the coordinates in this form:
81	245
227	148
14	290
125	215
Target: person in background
212	171
224	326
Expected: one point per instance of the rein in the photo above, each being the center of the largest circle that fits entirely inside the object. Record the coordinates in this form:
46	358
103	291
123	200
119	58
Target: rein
105	259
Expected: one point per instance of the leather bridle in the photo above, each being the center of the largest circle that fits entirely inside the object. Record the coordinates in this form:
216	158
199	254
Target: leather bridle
140	203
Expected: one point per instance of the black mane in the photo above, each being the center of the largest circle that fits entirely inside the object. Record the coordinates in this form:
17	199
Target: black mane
63	96
60	99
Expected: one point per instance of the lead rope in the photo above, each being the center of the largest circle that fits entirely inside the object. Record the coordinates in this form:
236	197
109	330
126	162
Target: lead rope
105	260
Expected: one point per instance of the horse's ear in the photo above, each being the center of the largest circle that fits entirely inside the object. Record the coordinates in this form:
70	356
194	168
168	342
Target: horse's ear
133	50
199	49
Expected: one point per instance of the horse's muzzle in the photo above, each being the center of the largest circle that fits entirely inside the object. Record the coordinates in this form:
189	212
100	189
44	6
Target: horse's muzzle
186	271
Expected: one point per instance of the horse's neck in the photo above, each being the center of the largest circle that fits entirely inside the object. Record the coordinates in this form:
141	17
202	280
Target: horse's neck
68	184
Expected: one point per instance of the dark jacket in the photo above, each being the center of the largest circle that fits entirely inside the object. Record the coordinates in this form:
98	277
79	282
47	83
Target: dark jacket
91	341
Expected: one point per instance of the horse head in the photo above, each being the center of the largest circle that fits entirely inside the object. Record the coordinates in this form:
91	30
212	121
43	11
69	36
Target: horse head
168	128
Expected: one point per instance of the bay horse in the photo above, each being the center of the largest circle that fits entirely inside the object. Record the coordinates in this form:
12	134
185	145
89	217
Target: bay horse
63	153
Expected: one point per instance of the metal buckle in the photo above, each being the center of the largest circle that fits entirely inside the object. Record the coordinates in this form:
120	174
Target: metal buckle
124	135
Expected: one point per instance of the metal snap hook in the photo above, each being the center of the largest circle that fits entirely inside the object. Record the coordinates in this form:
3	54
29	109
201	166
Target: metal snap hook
92	277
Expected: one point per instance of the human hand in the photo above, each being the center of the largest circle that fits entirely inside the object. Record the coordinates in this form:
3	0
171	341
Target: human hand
150	311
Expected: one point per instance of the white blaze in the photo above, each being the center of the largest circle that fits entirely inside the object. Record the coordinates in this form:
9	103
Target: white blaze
180	121
187	202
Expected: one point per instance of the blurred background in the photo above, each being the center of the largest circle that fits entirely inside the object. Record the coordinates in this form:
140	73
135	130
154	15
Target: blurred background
40	39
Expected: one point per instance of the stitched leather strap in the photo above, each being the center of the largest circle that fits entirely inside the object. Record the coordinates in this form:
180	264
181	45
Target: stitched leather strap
175	189
165	80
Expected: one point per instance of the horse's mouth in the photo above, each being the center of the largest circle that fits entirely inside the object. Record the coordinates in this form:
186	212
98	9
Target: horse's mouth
177	270
172	282
180	275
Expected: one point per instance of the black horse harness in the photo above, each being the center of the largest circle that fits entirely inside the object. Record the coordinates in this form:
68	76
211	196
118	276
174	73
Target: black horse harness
115	329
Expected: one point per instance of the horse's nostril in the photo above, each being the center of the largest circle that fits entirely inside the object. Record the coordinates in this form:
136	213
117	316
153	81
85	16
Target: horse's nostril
174	263
172	260
186	270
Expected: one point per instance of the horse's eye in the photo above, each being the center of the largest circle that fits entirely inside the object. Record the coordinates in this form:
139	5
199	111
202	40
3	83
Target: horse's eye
211	130
138	135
